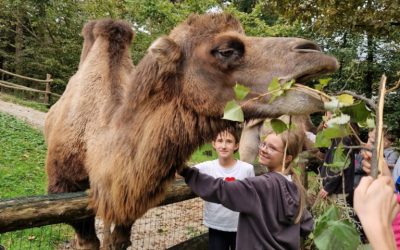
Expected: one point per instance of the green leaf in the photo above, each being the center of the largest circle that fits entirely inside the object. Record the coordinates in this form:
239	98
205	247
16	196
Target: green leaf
274	95
322	84
278	125
340	160
321	222
330	233
233	112
240	91
321	141
274	85
288	85
323	138
358	111
337	235
370	122
345	100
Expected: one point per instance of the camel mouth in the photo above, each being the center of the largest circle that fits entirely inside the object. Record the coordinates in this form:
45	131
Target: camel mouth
306	78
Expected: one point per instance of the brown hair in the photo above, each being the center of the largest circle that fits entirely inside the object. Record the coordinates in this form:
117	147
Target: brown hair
293	142
234	131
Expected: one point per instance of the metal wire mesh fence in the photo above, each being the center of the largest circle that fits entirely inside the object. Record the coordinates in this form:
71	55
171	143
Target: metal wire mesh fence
160	228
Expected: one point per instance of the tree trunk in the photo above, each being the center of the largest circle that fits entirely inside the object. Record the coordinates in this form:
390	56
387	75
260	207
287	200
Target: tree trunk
368	81
344	45
19	38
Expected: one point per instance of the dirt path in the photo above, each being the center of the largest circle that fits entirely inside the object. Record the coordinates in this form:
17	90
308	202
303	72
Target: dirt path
161	227
31	116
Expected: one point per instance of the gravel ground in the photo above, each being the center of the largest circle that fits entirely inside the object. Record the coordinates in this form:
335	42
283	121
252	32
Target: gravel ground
33	117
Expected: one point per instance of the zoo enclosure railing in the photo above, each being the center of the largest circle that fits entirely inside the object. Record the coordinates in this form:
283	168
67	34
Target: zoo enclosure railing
27	212
38	211
47	82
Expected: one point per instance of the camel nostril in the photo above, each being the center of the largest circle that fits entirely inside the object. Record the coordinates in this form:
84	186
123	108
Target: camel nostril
307	47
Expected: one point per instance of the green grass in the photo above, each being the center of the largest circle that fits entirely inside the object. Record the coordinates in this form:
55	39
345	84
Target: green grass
22	155
22	173
30	104
204	153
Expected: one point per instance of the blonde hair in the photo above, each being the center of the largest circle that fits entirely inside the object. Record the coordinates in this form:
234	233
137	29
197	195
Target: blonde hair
293	143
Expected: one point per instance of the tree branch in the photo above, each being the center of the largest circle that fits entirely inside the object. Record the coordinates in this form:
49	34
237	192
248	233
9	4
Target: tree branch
396	86
365	99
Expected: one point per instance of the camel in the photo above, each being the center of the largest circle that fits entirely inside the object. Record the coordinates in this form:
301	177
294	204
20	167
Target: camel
124	130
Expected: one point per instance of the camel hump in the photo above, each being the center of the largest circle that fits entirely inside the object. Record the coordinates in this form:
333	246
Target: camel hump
88	40
117	32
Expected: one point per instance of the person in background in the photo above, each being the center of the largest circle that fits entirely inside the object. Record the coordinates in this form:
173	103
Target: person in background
389	152
358	167
332	183
221	221
396	175
272	205
391	156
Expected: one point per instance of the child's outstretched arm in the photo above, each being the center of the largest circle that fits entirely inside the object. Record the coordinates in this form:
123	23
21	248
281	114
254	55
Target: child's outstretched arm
376	205
238	196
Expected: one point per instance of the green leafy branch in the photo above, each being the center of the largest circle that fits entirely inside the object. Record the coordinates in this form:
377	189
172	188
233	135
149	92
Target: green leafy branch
233	110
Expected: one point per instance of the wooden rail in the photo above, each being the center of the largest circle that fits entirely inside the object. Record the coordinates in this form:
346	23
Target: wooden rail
27	78
47	92
28	212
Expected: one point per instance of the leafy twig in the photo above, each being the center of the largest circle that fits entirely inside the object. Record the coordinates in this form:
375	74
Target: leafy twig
367	100
354	133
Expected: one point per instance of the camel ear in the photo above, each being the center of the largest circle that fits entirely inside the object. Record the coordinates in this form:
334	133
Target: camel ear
166	51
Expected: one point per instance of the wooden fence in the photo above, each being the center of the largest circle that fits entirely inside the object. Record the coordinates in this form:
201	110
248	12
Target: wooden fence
22	213
47	82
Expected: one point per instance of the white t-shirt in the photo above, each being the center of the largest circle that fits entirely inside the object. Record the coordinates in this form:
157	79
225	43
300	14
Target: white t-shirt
215	215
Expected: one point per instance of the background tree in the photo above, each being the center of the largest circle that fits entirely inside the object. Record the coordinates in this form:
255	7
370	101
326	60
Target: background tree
39	37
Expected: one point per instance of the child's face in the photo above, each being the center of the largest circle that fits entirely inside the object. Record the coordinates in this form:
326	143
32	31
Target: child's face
371	137
225	145
386	143
271	152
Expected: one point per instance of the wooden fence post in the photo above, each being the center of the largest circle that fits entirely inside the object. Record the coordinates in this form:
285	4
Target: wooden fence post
48	90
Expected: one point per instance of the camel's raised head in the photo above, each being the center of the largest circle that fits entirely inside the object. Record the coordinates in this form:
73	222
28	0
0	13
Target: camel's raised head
210	54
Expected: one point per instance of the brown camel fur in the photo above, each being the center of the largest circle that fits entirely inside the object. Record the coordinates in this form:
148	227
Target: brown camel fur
129	130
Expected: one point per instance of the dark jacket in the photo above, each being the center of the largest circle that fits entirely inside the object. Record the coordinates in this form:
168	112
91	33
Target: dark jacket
333	181
268	205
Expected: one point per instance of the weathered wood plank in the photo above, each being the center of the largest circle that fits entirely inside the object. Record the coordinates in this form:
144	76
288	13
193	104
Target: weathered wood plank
27	212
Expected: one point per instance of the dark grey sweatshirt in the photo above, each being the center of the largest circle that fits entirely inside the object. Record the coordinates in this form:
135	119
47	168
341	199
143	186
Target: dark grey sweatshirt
268	206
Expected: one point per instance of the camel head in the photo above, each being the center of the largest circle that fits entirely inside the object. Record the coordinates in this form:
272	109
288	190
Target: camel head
210	53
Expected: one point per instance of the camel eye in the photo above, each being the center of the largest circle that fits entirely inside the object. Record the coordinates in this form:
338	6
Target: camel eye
226	52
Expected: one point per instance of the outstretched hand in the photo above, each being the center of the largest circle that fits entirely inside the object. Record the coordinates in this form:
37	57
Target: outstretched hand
376	205
366	164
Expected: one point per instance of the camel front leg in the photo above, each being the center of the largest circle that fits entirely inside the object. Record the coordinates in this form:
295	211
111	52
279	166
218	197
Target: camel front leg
121	236
107	240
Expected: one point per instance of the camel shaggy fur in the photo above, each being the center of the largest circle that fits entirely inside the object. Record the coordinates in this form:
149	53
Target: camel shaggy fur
125	131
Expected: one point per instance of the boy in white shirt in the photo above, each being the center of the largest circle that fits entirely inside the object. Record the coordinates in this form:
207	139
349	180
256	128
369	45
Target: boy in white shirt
222	222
